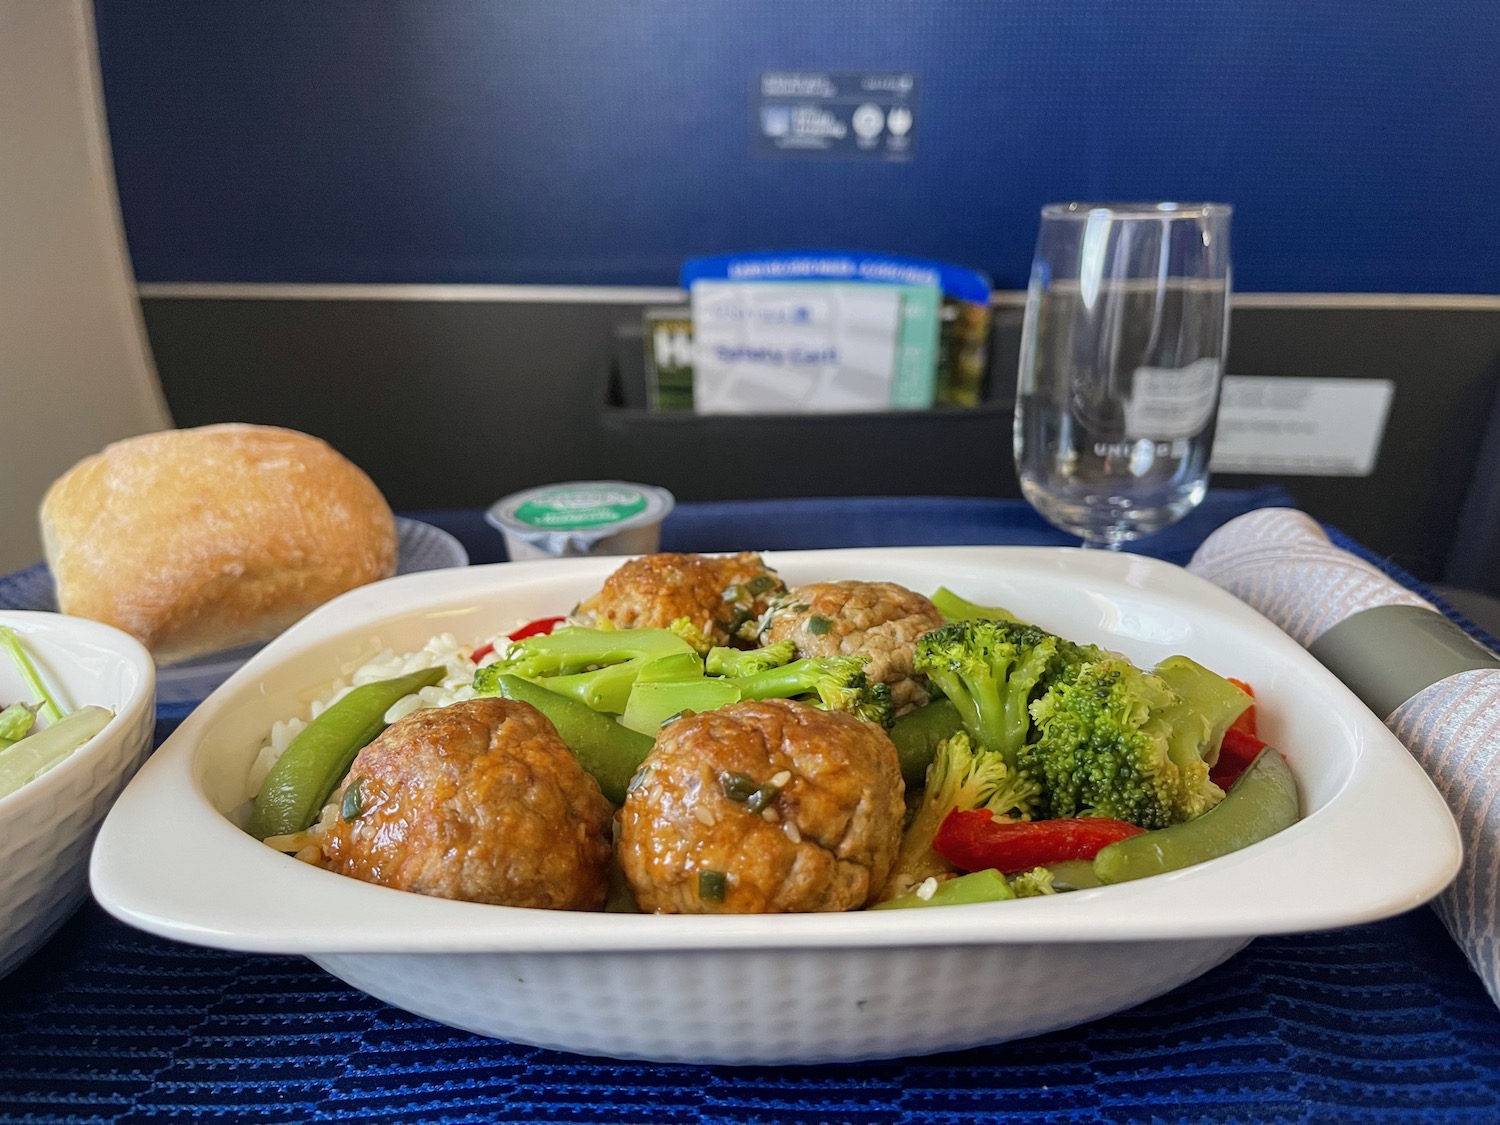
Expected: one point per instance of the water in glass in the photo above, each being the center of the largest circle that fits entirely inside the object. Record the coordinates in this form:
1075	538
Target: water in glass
1118	383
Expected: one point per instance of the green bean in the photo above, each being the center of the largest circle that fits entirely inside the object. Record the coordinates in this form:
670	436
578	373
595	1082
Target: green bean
977	886
23	760
917	734
1260	804
607	751
318	758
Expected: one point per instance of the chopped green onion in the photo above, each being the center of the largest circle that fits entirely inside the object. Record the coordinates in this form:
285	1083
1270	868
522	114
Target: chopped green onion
760	584
747	791
763	797
738	786
353	803
818	626
712	885
12	644
641	776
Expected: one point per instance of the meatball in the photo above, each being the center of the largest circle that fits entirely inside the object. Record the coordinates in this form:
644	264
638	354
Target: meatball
879	619
763	807
723	595
479	801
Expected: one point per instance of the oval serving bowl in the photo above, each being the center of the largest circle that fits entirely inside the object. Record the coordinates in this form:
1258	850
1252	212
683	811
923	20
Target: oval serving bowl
785	988
47	826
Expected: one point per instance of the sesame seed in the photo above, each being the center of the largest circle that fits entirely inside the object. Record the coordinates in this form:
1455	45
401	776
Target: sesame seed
770	814
780	779
927	889
791	832
704	815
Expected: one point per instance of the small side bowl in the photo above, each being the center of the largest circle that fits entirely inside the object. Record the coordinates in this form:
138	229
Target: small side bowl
47	827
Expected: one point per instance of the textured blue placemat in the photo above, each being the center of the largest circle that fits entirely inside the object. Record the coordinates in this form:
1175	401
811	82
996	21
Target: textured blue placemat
1383	1022
1376	1023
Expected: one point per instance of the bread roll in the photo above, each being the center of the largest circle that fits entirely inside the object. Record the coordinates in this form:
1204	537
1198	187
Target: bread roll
199	540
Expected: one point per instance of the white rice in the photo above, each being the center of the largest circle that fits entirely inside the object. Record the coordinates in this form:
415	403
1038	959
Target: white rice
442	650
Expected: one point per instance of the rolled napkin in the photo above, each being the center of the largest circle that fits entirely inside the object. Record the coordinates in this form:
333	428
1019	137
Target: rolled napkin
1439	693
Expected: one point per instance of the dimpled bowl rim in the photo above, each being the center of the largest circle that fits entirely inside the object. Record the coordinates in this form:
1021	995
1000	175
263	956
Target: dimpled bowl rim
169	861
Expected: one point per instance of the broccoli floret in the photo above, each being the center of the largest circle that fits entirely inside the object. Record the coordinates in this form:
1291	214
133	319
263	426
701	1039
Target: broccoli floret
747	662
962	777
835	683
700	641
990	670
597	667
874	705
653	703
1105	745
1033	884
1207	705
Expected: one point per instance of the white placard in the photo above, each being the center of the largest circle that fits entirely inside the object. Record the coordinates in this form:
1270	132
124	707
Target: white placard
1298	426
790	348
1171	402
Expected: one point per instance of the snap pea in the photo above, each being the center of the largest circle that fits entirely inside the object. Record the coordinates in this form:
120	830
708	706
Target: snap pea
318	758
917	734
955	608
1260	804
1073	875
609	752
977	886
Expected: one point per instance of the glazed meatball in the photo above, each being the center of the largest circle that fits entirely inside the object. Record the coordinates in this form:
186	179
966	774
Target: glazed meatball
479	801
723	595
879	619
763	807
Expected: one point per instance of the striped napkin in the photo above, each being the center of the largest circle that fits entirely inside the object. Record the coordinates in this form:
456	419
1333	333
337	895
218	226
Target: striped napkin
1280	562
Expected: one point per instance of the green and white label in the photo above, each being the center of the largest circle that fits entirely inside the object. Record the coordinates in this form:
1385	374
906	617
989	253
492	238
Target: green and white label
576	509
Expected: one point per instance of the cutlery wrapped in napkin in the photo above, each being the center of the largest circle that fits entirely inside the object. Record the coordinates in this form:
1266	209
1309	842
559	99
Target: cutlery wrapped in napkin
1437	689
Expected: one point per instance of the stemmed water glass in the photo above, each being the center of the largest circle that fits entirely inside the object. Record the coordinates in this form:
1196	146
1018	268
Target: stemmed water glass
1122	353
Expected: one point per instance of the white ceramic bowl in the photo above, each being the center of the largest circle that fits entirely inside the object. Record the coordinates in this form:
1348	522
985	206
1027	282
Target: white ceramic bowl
786	988
47	826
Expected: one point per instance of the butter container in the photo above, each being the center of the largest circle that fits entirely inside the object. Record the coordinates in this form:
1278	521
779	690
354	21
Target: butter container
602	517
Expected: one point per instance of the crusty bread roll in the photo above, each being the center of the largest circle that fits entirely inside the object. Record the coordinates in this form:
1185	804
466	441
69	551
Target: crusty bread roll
199	540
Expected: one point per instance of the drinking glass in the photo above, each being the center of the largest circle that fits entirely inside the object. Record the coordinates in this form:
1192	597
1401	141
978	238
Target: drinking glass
1122	353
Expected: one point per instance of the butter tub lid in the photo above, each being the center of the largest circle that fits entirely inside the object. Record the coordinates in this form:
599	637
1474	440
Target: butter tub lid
580	510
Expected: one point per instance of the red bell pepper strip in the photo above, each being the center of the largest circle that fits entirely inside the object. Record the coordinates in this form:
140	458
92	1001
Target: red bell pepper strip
540	627
1236	753
976	841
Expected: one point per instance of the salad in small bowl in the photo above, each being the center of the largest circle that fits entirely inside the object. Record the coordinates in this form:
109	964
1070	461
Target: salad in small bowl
77	708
